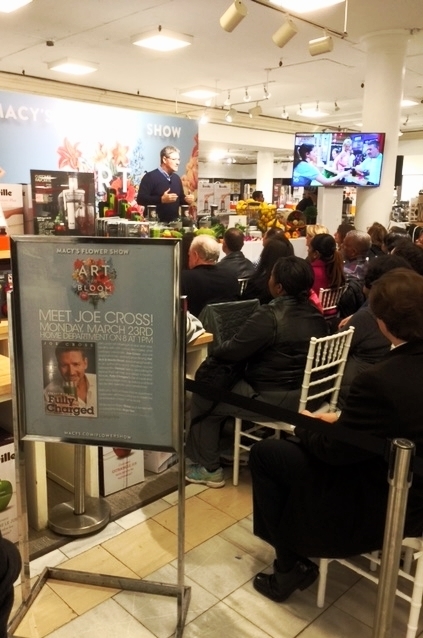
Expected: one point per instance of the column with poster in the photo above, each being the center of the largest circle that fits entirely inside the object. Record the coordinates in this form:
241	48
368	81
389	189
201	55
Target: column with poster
100	362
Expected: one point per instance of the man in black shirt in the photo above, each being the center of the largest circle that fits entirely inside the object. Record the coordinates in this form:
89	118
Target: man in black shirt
163	187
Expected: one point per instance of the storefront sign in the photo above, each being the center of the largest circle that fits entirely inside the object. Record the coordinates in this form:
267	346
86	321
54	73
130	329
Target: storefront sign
96	325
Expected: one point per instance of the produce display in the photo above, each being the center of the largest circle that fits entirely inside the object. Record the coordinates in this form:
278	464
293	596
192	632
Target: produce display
267	216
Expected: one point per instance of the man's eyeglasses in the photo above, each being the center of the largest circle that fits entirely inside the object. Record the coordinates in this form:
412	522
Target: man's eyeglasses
174	159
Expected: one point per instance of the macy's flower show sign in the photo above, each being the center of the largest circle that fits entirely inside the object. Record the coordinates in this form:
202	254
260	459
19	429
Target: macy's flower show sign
116	144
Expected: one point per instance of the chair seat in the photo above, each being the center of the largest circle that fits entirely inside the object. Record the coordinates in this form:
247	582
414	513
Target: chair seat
413	551
321	382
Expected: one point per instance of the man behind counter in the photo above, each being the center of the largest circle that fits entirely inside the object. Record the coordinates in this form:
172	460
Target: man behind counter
163	187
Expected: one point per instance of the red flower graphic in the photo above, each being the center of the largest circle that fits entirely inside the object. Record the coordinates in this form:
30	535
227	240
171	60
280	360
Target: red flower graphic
119	154
93	279
69	155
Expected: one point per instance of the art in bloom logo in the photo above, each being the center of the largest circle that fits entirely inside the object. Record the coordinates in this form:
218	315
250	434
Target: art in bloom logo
93	279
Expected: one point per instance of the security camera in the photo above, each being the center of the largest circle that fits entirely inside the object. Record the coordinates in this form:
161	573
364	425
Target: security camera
50	43
362	85
281	64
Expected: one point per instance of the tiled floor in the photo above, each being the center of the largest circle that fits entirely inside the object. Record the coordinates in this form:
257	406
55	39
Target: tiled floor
222	556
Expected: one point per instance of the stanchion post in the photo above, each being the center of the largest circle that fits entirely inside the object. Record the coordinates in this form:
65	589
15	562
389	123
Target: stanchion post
79	478
399	479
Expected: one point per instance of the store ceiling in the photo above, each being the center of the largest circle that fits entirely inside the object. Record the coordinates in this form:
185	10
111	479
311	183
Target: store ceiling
100	31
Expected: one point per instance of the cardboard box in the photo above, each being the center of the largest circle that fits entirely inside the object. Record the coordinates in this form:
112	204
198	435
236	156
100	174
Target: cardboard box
11	201
8	506
119	468
157	462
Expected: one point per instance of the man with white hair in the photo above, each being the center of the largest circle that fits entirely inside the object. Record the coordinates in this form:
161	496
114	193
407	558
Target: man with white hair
203	283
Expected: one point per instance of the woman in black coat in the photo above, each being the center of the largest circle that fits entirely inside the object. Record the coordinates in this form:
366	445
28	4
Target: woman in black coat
328	499
10	566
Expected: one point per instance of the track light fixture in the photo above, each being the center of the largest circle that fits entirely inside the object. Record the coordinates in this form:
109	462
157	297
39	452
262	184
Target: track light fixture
406	121
233	16
255	111
204	118
285	33
247	97
266	94
230	115
284	114
321	45
337	107
300	110
227	102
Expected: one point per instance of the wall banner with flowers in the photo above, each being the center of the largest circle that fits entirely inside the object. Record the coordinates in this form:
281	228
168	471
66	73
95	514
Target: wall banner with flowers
117	145
97	340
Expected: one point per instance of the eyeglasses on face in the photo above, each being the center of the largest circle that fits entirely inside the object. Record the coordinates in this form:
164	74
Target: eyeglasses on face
174	159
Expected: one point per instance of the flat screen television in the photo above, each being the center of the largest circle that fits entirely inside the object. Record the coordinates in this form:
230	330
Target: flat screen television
338	159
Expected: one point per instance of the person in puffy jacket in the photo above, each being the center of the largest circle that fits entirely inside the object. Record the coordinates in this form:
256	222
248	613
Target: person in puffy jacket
272	347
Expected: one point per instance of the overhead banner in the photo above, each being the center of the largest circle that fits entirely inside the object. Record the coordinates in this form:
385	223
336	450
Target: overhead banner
118	145
96	327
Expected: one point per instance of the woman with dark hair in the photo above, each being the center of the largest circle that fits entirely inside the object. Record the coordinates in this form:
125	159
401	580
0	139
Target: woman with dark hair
257	286
341	232
306	171
272	347
377	234
395	235
325	498
416	234
326	262
411	252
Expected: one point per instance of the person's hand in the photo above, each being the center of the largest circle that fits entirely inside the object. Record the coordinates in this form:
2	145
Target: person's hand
329	417
344	322
189	199
168	197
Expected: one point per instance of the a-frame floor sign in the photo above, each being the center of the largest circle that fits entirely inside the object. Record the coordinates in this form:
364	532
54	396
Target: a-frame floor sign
103	309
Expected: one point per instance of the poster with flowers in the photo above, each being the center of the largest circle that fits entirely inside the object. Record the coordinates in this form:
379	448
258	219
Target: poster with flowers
116	145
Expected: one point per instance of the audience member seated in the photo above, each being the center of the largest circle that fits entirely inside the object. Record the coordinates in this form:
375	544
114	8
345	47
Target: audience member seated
368	344
377	233
340	233
204	283
326	262
394	235
258	196
416	234
355	248
235	261
312	230
186	242
411	252
272	347
323	498
10	567
257	286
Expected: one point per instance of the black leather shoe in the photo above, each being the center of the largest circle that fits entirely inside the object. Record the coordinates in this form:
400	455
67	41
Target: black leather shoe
280	585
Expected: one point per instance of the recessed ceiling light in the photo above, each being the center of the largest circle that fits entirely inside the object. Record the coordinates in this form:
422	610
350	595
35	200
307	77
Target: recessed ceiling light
305	6
313	112
359	124
73	67
216	155
162	40
200	92
7	6
408	102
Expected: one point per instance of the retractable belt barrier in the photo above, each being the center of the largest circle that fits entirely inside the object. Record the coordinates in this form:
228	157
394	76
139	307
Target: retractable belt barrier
360	439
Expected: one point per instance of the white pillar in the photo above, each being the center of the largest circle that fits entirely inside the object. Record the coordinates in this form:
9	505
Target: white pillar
265	174
329	207
383	91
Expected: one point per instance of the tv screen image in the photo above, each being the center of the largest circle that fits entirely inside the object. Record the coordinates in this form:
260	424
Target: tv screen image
338	159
